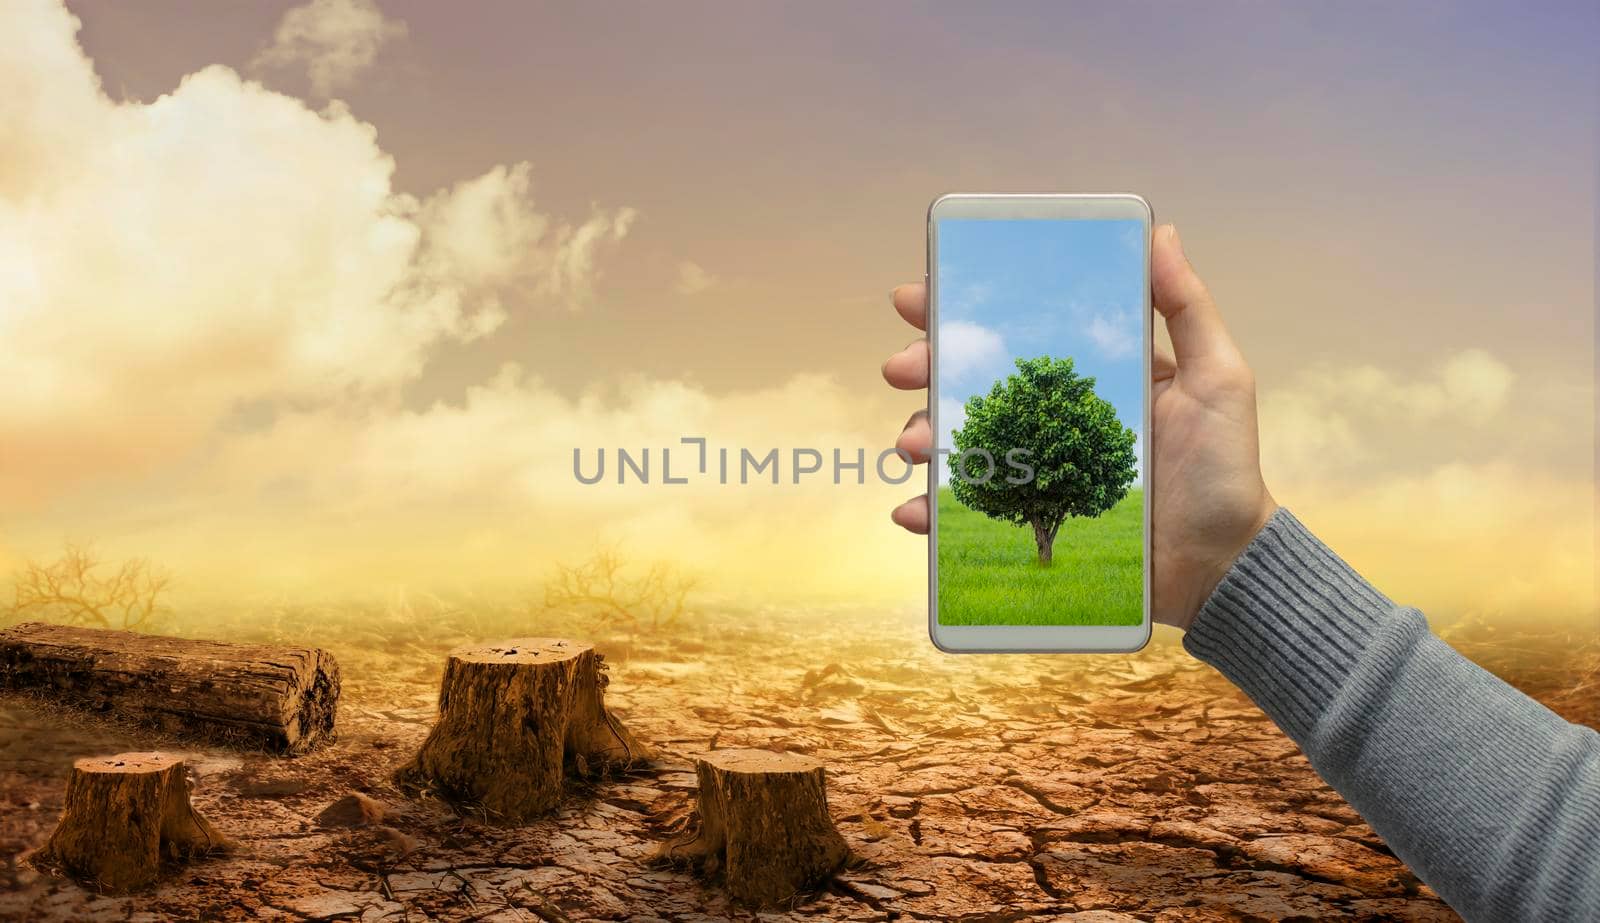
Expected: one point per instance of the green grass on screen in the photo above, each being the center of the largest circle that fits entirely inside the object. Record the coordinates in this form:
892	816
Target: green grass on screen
989	572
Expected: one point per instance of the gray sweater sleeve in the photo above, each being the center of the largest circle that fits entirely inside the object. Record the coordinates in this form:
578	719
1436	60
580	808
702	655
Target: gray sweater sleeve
1491	798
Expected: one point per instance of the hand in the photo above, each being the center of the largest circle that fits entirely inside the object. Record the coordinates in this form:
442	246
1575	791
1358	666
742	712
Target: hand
1208	499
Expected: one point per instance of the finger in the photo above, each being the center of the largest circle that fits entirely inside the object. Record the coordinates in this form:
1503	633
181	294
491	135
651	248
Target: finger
911	300
1163	372
1192	318
1162	365
917	437
908	368
912	515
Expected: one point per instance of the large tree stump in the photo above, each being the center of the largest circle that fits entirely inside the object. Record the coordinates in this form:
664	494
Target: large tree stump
514	719
279	698
764	826
124	816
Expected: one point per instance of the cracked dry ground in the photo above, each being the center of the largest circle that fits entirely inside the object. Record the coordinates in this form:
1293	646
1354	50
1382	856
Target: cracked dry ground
977	788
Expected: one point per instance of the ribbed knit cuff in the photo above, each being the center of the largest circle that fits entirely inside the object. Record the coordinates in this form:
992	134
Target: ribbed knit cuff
1288	623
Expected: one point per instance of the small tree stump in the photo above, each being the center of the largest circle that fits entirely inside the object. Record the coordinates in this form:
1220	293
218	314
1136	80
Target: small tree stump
514	719
124	815
764	825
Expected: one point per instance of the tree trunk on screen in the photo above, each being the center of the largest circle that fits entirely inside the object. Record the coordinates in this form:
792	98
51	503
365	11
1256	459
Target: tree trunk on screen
1044	537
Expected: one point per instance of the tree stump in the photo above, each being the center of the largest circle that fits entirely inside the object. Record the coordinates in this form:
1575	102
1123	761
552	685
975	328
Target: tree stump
124	815
279	698
764	825
515	719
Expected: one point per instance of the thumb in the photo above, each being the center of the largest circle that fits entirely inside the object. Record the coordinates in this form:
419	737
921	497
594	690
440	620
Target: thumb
1192	318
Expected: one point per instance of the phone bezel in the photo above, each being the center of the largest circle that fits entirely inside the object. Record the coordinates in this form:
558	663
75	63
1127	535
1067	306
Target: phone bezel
1032	638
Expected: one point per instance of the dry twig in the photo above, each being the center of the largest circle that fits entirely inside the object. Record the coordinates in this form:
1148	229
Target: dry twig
601	588
78	589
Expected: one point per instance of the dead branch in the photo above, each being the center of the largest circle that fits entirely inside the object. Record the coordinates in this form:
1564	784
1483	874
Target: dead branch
79	589
601	589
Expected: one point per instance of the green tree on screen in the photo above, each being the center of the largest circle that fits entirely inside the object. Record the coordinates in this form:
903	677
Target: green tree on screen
1080	453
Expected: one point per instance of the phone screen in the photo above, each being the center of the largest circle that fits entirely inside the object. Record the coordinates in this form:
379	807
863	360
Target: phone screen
1039	379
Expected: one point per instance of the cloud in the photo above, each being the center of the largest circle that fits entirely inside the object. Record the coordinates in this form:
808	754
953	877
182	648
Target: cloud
1410	477
1331	419
1116	335
693	279
1475	384
483	236
482	493
952	416
966	348
511	440
1490	539
963	298
333	40
212	306
1470	385
163	265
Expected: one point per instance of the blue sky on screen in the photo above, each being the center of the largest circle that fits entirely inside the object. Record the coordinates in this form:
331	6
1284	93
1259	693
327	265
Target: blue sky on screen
1011	289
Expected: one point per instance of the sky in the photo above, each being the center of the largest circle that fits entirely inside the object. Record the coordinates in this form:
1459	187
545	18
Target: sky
312	296
1024	288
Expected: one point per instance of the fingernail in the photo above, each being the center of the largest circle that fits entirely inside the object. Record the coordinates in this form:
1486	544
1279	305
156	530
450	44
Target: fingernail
891	293
1172	232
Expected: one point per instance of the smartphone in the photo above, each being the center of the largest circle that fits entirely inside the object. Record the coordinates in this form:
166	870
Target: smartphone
1039	396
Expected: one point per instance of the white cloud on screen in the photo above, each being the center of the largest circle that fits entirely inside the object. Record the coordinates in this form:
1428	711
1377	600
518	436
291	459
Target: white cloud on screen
1116	334
974	295
952	416
966	349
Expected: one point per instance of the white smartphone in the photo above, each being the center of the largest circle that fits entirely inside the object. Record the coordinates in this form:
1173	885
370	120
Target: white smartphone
1039	397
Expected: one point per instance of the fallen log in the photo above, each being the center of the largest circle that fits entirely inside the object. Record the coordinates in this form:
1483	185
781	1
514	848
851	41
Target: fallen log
125	815
515	719
276	698
763	828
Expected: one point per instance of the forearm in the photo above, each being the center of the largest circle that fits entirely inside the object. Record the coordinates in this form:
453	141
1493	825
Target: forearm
1490	797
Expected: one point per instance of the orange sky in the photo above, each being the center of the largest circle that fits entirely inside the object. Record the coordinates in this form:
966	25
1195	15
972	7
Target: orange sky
251	325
